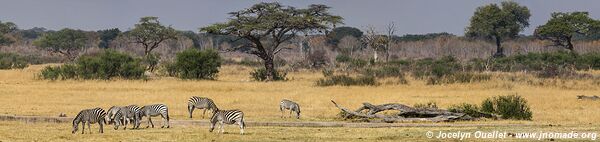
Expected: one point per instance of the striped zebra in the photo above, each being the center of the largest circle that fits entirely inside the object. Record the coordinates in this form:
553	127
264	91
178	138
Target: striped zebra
227	117
127	114
136	115
201	103
89	116
289	105
155	110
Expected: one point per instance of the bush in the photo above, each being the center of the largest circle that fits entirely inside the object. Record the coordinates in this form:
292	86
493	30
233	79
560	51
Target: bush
110	64
106	65
469	109
260	74
12	61
50	73
345	80
195	64
509	107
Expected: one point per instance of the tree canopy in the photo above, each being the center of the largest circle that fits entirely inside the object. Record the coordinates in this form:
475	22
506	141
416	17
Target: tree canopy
563	27
5	28
108	35
267	25
149	32
498	22
338	33
66	42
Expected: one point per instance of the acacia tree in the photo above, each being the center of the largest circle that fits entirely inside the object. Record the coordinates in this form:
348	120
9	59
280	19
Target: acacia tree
562	27
67	42
267	25
150	33
5	28
496	23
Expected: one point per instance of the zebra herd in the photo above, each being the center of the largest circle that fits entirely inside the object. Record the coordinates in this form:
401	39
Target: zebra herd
132	114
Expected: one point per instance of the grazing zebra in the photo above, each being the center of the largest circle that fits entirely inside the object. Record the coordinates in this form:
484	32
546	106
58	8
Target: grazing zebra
136	115
128	114
89	116
201	103
155	110
227	117
110	114
290	105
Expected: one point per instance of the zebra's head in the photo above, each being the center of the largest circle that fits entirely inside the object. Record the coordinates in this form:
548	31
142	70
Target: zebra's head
213	120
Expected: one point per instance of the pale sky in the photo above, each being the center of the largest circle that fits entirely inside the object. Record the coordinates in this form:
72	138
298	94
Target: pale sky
411	16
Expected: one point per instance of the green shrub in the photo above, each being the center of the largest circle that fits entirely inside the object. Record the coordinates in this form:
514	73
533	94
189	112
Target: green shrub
343	58
110	64
260	74
68	71
509	107
345	80
151	61
469	109
170	68
50	73
12	61
195	64
106	65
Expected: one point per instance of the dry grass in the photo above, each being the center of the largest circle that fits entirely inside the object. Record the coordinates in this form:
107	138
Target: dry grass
22	131
23	94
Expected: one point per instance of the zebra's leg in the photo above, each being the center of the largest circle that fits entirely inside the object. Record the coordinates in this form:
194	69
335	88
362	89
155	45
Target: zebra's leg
101	127
241	127
152	123
83	127
149	122
89	127
203	113
191	109
290	116
222	127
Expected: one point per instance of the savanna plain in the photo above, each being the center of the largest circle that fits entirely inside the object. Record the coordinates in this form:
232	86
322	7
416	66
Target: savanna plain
553	102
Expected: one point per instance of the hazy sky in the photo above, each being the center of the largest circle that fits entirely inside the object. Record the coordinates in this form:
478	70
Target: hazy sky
411	16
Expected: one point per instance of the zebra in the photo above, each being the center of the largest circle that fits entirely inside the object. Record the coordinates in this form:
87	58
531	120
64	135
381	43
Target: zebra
128	114
136	115
89	116
201	103
290	105
227	117
155	110
110	114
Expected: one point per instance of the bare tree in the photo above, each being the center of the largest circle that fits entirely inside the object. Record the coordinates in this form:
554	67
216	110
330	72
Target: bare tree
389	39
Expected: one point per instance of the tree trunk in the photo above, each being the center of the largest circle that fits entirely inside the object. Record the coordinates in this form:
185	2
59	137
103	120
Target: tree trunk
375	55
387	56
570	45
270	68
499	49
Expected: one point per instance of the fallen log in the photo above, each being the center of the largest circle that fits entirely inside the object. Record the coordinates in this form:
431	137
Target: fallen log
406	113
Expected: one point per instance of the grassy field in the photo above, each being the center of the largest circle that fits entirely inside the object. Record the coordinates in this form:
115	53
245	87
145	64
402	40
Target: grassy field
62	132
552	101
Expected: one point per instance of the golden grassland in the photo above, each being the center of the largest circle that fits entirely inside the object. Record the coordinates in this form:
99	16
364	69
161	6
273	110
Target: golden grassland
22	131
553	101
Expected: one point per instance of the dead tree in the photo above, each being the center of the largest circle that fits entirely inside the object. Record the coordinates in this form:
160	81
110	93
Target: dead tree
406	113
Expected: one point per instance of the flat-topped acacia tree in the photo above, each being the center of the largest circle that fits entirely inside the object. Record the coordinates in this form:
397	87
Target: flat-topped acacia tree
562	28
267	25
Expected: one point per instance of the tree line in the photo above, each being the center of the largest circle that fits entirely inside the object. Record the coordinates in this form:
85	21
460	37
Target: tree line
263	28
